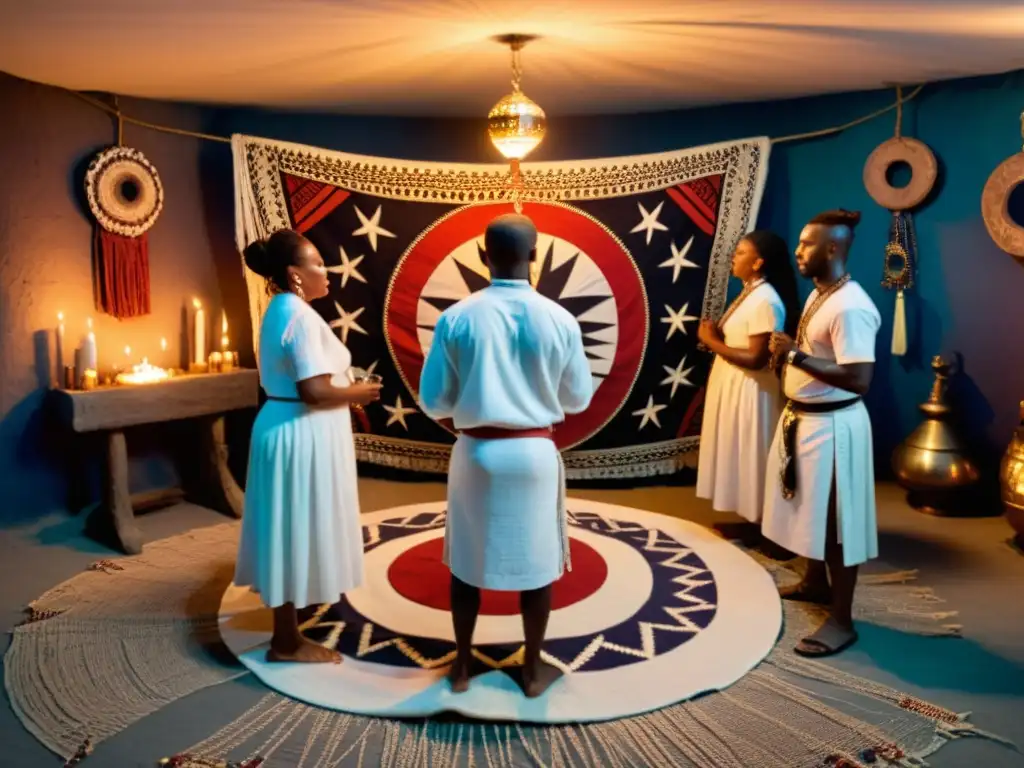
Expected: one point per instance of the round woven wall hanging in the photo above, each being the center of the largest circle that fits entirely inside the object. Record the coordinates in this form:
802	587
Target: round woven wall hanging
126	197
124	189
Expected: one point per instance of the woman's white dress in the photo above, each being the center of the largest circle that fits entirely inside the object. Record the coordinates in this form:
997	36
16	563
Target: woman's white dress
301	537
741	411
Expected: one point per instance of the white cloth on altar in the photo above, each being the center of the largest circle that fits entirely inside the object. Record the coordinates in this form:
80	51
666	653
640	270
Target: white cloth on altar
510	358
836	445
741	411
301	539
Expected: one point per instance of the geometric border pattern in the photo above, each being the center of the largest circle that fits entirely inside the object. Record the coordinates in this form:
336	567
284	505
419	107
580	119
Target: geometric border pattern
681	604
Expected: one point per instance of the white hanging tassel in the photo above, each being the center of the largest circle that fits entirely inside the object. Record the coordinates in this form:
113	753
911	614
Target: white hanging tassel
899	326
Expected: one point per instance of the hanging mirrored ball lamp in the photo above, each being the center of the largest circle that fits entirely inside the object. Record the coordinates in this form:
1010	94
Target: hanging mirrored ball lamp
516	124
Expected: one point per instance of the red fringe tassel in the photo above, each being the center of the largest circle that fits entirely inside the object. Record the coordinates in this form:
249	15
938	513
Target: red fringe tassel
122	274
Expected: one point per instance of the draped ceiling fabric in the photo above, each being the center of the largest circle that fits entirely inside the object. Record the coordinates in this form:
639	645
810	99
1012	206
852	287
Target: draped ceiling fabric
436	57
637	248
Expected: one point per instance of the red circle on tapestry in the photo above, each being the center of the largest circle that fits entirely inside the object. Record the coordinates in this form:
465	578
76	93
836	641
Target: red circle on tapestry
418	264
419	575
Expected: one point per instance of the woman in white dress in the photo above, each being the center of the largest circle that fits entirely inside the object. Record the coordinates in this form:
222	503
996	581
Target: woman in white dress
301	541
743	399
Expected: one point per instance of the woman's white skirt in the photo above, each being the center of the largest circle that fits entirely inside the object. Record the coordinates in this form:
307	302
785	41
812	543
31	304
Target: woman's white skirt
301	539
741	411
827	444
505	526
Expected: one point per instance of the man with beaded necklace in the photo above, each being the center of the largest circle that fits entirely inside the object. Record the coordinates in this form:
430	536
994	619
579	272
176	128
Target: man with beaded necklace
820	489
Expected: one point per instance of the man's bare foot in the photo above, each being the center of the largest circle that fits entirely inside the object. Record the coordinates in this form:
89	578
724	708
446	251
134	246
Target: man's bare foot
458	677
537	679
307	652
806	593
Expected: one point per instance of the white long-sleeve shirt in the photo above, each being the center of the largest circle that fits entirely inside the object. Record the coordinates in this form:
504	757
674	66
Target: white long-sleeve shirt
506	357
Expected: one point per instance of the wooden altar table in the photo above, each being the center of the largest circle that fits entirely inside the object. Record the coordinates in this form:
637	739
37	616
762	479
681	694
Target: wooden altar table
108	411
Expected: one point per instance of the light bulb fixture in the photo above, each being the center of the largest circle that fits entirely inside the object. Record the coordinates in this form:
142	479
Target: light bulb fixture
516	124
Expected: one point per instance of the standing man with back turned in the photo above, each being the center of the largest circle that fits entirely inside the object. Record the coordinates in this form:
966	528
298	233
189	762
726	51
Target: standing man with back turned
820	484
506	364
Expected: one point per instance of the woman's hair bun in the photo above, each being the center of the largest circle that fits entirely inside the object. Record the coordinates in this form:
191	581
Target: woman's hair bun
257	258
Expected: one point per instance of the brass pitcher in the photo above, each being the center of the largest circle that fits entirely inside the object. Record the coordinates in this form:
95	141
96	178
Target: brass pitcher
932	463
1011	480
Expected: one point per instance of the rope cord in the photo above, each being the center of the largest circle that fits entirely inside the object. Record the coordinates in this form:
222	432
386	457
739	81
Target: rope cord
897	105
899	111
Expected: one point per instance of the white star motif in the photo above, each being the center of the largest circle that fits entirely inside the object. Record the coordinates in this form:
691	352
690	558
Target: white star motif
649	414
679	259
649	221
398	413
348	268
677	376
371	228
677	320
347	322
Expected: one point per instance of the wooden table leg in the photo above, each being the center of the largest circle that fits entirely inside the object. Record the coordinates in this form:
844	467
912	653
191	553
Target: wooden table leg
220	489
118	497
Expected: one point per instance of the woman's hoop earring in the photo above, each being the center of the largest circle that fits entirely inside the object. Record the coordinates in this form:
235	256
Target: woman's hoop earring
297	284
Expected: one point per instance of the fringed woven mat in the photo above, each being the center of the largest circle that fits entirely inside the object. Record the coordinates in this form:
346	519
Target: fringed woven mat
125	638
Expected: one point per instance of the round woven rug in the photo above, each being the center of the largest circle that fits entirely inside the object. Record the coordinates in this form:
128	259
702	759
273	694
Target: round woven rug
655	611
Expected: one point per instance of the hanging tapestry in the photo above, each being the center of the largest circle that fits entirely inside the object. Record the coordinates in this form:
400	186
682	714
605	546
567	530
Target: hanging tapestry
637	248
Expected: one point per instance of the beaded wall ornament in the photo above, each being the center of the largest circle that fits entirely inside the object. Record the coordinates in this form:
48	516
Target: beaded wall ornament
898	273
901	251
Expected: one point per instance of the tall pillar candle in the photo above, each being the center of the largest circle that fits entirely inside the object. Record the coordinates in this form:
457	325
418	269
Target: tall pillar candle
60	347
88	357
199	356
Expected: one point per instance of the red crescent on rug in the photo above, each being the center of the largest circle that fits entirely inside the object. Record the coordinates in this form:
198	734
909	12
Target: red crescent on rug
593	274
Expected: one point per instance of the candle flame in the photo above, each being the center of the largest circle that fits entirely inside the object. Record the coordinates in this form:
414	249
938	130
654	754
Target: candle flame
163	345
127	350
60	317
197	303
224	323
88	323
143	374
224	342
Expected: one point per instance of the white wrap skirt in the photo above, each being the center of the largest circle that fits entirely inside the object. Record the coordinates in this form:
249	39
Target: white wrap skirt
829	446
506	526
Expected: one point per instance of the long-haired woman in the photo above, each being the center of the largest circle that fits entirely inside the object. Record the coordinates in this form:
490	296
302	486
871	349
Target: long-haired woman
743	400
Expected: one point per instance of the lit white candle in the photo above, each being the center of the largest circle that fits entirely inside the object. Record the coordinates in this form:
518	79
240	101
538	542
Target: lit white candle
200	333
88	348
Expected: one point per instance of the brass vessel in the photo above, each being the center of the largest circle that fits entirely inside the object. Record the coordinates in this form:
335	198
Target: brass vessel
932	463
1011	480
